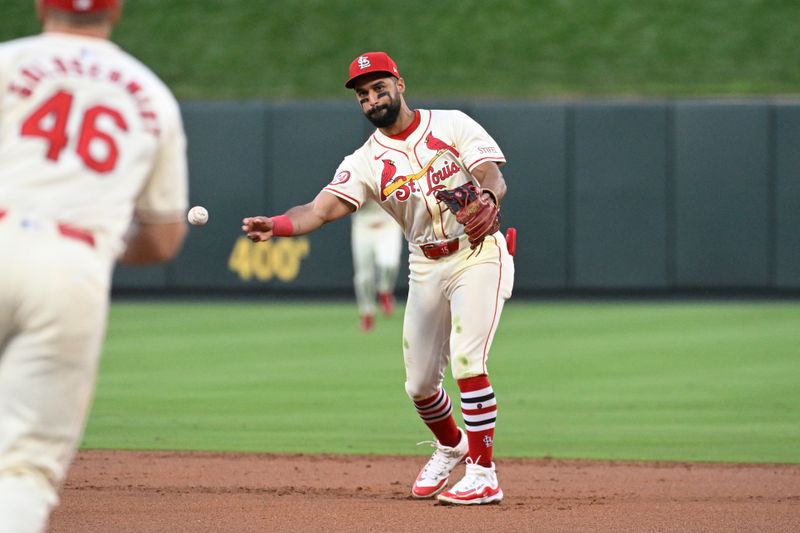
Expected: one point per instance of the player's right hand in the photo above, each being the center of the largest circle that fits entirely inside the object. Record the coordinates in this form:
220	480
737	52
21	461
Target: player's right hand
258	229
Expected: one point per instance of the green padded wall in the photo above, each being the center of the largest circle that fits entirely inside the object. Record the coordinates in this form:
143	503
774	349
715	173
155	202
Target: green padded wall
309	142
605	195
787	189
532	138
619	194
228	176
721	195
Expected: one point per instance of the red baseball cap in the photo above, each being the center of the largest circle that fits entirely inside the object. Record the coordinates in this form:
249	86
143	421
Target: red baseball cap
81	6
371	62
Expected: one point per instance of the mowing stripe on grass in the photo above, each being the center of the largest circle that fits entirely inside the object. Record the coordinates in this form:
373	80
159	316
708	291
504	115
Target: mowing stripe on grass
653	381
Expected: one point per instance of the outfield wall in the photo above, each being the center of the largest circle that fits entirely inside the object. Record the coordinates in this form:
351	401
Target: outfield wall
632	196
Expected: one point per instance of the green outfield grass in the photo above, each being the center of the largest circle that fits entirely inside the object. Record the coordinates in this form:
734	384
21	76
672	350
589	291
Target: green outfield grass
290	49
652	381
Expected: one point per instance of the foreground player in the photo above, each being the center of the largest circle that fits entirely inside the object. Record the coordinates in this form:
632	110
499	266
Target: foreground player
376	240
456	293
91	142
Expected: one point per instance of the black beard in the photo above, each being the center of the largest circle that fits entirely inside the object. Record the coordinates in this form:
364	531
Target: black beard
392	111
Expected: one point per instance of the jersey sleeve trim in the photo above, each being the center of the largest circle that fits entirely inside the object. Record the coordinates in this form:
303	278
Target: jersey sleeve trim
499	160
343	196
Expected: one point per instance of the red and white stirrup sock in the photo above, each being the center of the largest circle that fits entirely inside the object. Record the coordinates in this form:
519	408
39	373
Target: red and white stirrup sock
479	408
437	413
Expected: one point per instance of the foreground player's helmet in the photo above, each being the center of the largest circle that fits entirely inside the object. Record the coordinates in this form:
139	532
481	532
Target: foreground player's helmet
81	6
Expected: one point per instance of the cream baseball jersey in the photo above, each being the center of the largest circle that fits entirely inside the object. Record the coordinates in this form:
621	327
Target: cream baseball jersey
438	151
88	134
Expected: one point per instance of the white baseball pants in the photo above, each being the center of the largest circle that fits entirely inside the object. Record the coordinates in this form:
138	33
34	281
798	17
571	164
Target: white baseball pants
453	310
376	261
53	307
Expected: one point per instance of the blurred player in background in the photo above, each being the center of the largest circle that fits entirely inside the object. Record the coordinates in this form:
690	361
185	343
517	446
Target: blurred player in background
460	274
92	168
376	240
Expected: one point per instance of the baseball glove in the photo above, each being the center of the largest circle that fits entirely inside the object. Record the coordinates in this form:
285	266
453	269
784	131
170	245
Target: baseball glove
479	215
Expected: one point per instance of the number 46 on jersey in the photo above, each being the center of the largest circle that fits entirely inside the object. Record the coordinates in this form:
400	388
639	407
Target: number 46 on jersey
50	120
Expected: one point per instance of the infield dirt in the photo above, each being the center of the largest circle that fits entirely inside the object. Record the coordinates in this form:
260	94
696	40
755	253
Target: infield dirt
136	492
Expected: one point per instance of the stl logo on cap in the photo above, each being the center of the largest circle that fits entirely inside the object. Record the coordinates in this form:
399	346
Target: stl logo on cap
82	5
368	63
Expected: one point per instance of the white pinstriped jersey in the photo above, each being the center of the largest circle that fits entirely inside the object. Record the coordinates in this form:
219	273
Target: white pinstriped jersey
88	134
403	175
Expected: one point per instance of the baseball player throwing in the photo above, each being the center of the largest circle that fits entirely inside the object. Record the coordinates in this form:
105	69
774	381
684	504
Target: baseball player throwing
437	174
376	241
92	168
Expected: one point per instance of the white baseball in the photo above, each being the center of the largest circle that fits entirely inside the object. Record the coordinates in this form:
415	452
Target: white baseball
198	215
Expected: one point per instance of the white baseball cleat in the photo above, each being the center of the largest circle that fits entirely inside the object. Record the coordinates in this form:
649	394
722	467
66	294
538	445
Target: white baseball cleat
478	486
432	479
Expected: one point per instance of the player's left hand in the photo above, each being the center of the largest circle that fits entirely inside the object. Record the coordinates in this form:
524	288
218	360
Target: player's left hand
480	218
258	229
474	209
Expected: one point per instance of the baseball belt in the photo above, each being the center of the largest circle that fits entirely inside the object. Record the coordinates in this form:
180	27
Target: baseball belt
67	230
437	250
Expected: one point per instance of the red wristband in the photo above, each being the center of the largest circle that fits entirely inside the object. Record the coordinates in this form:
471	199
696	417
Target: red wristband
282	226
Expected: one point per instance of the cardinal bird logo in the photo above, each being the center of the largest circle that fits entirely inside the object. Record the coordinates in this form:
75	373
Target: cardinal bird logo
437	144
387	174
